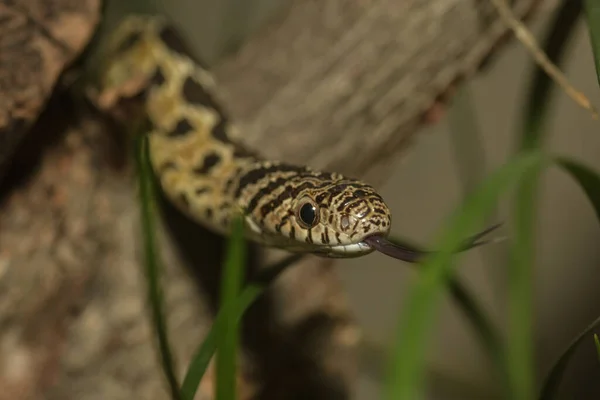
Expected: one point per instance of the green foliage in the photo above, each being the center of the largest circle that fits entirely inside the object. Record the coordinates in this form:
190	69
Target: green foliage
468	305
551	384
531	136
152	256
592	14
597	345
208	347
408	366
228	330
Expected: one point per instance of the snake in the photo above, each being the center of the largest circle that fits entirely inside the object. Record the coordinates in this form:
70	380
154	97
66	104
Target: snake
212	178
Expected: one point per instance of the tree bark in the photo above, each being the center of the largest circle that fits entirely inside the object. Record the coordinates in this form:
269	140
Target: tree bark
344	85
341	85
37	40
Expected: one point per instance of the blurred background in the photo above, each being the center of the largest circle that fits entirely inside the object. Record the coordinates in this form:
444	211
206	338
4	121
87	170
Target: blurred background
428	184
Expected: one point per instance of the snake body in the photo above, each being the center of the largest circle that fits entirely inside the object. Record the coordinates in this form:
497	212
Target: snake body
212	178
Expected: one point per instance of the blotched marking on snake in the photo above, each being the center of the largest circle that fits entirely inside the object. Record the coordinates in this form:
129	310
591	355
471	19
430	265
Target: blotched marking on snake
212	178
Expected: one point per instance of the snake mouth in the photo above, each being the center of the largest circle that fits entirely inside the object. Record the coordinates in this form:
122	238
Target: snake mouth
348	250
413	255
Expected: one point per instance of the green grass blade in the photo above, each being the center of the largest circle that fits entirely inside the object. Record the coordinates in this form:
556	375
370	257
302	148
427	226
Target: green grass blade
486	331
152	257
200	361
535	113
407	369
467	303
228	332
520	301
589	181
469	155
203	355
597	346
552	382
592	15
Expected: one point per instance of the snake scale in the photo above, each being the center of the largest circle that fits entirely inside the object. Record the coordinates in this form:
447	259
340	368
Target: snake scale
211	178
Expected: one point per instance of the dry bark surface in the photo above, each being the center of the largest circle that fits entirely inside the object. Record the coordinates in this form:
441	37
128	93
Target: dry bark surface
37	40
341	84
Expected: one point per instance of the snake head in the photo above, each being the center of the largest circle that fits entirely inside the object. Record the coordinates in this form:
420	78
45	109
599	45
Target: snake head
351	212
330	218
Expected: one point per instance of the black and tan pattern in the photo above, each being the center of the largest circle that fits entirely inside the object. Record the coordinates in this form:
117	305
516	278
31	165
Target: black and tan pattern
211	178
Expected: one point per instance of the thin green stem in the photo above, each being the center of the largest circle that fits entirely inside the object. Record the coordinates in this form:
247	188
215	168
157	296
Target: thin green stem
151	260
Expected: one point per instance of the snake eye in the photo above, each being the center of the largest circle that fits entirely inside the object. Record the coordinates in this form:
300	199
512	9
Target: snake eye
307	214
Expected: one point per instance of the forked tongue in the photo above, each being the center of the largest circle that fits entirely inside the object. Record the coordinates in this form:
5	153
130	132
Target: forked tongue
413	255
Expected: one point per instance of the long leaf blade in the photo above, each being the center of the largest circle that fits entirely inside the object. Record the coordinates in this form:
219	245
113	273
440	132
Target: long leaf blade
467	303
592	15
539	93
520	300
206	350
589	181
228	332
597	346
551	383
407	370
152	258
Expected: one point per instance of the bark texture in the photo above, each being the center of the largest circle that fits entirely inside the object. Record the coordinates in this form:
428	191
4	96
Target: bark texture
344	85
37	40
341	84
